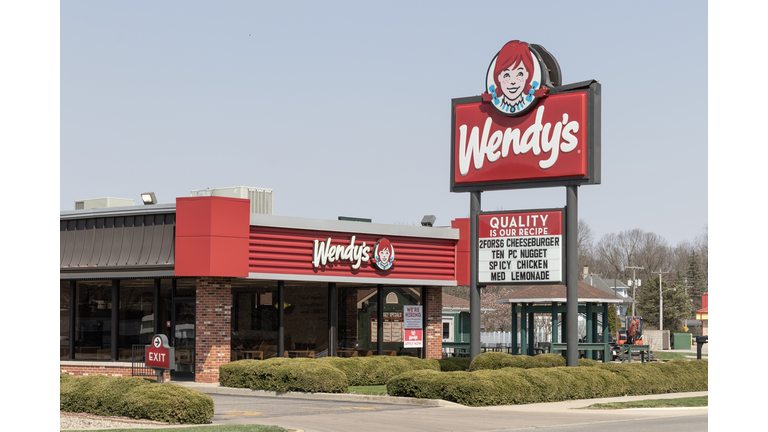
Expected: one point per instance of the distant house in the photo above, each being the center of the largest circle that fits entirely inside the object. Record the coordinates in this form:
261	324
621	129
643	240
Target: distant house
612	286
456	324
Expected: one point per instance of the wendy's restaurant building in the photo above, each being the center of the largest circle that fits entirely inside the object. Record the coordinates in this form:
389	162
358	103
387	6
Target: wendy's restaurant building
224	281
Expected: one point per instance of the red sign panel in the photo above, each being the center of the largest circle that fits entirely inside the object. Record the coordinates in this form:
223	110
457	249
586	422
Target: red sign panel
554	142
159	354
281	251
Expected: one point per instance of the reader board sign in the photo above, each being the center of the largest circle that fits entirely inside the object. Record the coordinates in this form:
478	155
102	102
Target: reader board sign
521	248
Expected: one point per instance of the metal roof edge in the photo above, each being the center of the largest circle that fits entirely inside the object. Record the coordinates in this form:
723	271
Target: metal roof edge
350	227
118	211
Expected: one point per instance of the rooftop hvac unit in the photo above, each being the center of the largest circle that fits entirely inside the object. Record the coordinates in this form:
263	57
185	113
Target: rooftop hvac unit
261	199
95	203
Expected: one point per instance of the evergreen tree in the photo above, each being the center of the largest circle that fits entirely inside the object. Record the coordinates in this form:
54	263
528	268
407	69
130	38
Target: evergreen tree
677	305
697	281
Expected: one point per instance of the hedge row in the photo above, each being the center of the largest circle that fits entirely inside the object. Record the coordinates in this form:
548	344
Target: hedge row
498	360
282	375
326	375
134	397
516	385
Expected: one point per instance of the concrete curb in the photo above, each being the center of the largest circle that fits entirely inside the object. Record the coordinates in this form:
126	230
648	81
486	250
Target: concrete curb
341	397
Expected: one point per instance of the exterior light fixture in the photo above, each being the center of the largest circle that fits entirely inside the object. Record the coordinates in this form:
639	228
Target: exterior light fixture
149	198
428	220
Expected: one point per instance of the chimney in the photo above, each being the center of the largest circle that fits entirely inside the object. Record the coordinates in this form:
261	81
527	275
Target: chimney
586	271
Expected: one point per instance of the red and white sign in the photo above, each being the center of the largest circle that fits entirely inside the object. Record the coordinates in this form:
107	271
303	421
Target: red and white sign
521	247
412	320
159	355
413	338
550	142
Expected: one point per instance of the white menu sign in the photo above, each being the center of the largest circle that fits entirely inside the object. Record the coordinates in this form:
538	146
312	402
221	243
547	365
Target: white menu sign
521	247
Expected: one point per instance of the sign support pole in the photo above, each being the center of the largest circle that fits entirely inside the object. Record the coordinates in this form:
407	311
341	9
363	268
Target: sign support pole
474	290
571	274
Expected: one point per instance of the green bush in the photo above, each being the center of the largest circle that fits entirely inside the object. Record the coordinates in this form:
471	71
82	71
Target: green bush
377	370
168	403
282	375
514	385
450	364
498	360
97	394
64	377
134	397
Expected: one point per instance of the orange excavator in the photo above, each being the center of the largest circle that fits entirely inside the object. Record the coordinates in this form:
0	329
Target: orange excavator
634	332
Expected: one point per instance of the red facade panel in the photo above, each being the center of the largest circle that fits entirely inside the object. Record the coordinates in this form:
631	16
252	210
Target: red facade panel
290	251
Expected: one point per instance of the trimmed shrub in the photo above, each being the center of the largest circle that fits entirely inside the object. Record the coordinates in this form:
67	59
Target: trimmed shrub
588	362
64	377
282	375
514	385
377	370
168	403
134	397
97	394
498	360
450	364
547	360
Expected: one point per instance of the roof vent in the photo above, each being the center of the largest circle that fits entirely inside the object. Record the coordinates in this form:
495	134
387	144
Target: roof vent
94	203
261	199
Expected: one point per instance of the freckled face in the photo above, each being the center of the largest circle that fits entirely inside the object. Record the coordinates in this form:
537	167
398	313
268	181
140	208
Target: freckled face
384	255
512	81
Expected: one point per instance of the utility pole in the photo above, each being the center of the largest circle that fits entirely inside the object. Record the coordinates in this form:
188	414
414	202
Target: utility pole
661	302
634	282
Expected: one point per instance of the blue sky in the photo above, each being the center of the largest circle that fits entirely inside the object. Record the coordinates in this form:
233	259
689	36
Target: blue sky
343	108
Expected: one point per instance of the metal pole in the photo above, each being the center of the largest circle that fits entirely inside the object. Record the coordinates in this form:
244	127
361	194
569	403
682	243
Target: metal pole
280	318
661	302
634	284
572	279
332	333
474	290
380	319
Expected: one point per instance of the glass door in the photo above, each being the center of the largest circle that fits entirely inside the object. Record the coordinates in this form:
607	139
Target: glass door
183	330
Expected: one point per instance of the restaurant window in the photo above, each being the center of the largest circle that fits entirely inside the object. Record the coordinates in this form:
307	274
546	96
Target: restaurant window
64	302
136	315
254	319
93	320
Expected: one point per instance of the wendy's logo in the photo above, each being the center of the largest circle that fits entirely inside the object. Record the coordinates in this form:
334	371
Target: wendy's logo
383	254
519	76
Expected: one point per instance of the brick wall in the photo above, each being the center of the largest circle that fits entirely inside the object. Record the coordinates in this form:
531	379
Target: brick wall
109	370
213	315
434	330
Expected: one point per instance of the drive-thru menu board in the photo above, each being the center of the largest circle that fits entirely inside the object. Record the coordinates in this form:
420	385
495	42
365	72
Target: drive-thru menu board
523	247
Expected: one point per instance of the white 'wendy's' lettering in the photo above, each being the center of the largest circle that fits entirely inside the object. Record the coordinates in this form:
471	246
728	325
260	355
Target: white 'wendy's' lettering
323	253
537	138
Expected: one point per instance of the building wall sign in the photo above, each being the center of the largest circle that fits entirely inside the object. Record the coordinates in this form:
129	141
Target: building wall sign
524	247
325	252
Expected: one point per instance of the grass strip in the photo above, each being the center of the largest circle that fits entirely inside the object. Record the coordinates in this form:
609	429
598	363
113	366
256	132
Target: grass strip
660	355
368	390
206	428
689	402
